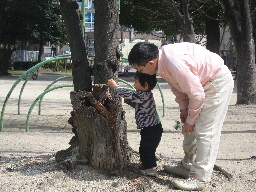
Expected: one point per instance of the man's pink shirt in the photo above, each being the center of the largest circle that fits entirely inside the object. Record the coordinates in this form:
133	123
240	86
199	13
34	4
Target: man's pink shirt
187	67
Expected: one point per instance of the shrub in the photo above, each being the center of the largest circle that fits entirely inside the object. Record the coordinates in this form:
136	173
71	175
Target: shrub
23	65
52	65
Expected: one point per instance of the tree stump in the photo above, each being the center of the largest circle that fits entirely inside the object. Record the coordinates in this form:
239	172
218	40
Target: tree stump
99	124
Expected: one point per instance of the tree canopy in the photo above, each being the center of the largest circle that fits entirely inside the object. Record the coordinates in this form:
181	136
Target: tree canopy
152	15
36	21
32	20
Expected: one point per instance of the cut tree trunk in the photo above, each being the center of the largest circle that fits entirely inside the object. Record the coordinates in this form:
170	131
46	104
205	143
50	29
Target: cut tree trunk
97	118
102	144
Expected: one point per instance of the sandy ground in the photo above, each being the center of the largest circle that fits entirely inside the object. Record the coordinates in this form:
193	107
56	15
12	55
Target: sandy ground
27	158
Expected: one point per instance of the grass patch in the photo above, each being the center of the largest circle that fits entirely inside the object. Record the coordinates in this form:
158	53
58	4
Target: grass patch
16	72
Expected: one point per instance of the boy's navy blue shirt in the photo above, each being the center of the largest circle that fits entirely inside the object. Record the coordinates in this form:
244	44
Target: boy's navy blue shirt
144	104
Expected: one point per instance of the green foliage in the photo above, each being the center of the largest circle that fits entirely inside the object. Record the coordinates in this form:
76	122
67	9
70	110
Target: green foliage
1	55
204	11
147	16
152	15
23	65
178	125
47	24
58	66
15	72
34	21
54	66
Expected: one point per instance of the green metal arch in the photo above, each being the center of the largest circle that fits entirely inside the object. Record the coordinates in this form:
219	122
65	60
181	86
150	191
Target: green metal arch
30	72
27	74
39	97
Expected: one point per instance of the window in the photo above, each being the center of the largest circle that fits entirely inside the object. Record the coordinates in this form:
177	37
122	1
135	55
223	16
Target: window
89	17
89	22
90	4
91	42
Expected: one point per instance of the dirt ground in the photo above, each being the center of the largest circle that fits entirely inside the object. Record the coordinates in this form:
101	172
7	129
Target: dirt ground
27	158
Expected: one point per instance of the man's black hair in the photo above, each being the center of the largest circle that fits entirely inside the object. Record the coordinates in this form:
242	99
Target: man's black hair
142	52
144	78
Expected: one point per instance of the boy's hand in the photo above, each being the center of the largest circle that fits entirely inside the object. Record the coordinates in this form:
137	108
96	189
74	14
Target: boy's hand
112	83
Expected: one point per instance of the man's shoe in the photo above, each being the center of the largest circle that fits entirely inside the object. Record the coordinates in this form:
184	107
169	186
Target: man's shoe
178	170
191	184
150	172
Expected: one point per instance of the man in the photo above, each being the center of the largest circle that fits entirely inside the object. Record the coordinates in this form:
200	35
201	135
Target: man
203	86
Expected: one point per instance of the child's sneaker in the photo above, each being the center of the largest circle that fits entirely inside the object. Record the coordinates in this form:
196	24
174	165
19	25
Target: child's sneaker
150	172
141	166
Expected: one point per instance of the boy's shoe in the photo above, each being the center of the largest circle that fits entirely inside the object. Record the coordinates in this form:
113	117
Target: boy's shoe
191	184
150	172
141	166
178	170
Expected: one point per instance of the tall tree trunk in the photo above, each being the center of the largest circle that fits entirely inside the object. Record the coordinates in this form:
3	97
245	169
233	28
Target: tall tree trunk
253	12
103	131
97	117
41	50
185	20
3	15
188	28
6	62
240	24
81	70
212	30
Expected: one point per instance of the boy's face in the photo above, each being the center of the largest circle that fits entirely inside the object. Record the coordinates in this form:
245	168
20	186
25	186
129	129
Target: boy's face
138	86
150	68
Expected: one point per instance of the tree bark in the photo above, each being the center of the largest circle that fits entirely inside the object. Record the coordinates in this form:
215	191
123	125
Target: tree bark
81	70
41	51
6	62
3	14
240	24
100	129
212	30
106	40
185	20
98	118
253	12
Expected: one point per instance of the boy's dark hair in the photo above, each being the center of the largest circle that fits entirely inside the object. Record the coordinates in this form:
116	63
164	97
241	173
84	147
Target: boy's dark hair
144	78
142	52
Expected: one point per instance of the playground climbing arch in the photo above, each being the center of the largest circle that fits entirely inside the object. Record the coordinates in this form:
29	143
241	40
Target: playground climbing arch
51	87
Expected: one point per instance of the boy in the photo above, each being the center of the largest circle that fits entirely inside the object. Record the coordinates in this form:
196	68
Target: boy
202	85
146	118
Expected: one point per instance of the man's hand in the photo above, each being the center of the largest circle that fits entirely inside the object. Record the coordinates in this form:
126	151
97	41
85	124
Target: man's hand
183	115
112	83
187	129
